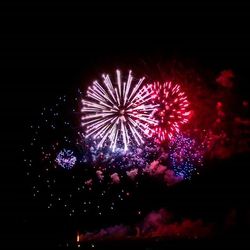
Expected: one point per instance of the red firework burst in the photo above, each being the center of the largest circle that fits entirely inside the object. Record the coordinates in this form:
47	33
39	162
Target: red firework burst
172	109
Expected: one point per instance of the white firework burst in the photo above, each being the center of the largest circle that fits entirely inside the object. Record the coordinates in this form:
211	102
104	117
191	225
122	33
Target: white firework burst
119	112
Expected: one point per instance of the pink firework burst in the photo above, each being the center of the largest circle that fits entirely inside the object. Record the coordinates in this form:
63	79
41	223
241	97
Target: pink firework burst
172	109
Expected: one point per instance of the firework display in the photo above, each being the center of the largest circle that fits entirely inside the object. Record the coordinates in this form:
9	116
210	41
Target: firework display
172	109
126	133
119	111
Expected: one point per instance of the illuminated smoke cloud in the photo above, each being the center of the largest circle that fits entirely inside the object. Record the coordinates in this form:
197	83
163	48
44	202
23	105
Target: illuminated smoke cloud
113	233
132	173
155	168
154	220
225	79
171	178
160	170
100	175
154	165
157	224
151	168
89	182
115	178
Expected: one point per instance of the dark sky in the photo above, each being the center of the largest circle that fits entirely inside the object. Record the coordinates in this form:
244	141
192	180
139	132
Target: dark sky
49	49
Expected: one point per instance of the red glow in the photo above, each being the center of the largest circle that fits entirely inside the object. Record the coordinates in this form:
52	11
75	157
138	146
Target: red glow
173	110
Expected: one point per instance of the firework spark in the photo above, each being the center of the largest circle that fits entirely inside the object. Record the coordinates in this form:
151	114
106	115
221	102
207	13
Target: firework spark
172	109
186	156
119	113
66	159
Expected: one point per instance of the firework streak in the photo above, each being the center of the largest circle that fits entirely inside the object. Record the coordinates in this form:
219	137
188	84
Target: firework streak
118	113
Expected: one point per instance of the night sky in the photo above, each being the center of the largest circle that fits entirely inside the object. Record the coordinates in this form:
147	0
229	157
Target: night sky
52	49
